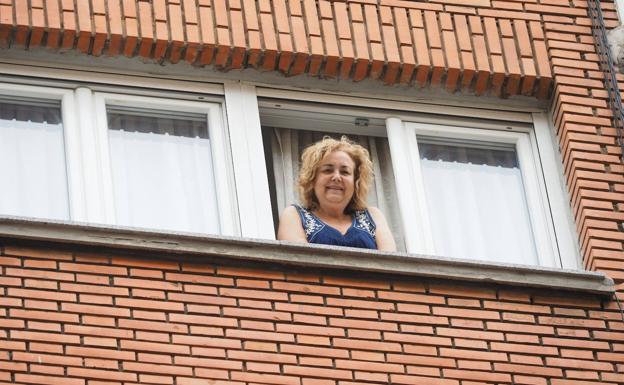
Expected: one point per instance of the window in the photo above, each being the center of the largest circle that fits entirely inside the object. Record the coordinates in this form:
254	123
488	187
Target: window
130	160
479	194
481	184
32	158
464	188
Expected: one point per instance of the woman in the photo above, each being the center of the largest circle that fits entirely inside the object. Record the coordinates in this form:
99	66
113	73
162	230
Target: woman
333	185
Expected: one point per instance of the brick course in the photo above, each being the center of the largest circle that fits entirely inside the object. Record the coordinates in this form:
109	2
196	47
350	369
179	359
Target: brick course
361	329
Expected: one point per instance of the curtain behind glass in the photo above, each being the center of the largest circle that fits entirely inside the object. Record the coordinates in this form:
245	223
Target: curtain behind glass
476	203
32	161
165	179
286	146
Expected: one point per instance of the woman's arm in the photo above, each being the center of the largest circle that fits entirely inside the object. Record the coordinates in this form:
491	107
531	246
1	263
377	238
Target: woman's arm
290	227
383	235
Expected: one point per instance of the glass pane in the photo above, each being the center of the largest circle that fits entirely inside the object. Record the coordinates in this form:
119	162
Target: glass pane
162	171
476	202
32	160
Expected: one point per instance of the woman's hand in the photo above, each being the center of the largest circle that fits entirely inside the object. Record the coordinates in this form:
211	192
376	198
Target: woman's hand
383	235
290	226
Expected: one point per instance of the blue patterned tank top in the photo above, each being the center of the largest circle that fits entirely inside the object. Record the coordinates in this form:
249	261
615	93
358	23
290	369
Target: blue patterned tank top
361	233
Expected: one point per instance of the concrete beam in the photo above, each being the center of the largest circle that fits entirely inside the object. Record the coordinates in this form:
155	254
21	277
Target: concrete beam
288	253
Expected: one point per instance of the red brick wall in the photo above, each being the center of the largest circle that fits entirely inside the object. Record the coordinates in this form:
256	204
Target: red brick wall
541	48
84	318
93	318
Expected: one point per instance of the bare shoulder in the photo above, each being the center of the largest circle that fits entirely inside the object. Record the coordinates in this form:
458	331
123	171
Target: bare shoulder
290	212
290	227
383	236
376	214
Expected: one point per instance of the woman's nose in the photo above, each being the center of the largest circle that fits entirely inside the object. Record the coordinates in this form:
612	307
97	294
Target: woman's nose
336	174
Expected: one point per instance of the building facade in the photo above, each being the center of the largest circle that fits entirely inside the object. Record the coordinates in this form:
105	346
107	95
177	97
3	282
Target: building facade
147	148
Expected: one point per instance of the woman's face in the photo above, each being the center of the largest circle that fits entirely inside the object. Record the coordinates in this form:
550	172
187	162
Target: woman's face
335	179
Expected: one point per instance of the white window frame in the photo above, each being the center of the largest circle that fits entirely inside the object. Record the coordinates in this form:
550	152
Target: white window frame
403	138
243	196
70	126
528	131
88	167
218	146
619	7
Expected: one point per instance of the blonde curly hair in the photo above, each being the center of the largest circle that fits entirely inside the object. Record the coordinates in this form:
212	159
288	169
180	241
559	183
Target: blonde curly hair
311	159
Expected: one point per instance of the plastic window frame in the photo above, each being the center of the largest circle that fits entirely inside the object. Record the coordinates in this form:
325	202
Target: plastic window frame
403	138
549	208
218	144
85	136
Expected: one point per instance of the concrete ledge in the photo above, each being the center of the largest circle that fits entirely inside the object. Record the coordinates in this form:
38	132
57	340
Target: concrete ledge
279	252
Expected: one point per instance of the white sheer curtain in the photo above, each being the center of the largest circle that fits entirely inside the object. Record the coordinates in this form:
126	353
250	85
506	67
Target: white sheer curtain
286	148
160	180
476	204
32	162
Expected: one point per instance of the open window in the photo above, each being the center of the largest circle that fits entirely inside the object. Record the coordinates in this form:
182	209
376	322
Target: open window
450	186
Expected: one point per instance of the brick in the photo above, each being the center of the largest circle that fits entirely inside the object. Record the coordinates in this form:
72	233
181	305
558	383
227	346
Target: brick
95	309
258	335
367	345
205	342
97	269
99	353
257	314
528	369
102	374
98	331
205	298
199	279
303	288
37	253
158	368
47	380
147	304
299	308
41	336
369	366
314	351
360	324
276	296
313	330
262	357
476	375
155	347
318	372
473	354
416	380
94	289
41	294
146	284
44	274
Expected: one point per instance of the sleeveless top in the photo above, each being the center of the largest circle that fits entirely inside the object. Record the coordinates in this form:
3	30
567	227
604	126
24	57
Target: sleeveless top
361	233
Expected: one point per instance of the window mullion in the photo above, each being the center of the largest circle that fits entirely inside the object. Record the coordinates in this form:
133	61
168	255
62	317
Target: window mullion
546	248
225	189
248	159
94	151
410	188
73	156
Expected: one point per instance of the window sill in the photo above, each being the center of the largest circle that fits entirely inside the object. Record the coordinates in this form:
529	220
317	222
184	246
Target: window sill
288	253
